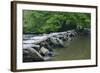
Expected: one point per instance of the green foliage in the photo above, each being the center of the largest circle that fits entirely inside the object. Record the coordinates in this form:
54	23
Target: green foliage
49	21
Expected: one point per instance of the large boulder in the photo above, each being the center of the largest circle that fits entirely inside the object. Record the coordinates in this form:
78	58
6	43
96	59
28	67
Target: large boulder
53	40
31	55
46	52
43	51
46	44
60	42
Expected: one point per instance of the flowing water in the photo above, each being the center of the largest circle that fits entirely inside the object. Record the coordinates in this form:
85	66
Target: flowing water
77	49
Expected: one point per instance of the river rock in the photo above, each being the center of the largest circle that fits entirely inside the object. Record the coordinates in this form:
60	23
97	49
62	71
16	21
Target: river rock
34	55
61	44
46	44
54	41
44	51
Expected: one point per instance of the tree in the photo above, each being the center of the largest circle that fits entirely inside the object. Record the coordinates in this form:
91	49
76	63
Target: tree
52	21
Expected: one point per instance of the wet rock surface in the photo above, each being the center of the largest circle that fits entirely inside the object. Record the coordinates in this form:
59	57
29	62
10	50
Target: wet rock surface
41	47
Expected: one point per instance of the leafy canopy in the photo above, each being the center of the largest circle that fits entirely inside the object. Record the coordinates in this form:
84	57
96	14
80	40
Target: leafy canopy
52	21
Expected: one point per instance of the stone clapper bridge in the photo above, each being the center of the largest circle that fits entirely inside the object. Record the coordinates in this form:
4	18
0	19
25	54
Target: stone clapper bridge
40	48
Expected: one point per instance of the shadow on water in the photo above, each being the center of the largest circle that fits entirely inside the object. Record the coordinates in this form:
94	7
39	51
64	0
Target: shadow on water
78	49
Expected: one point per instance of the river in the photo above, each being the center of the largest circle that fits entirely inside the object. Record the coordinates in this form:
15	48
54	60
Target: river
77	49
